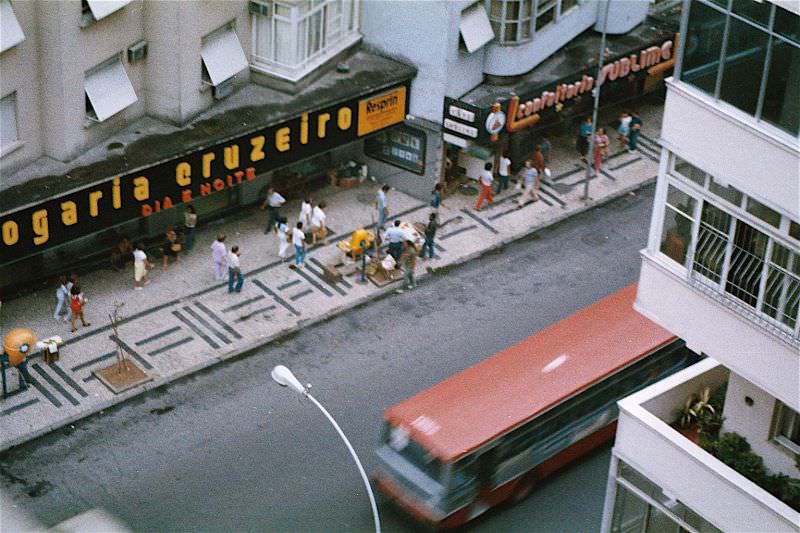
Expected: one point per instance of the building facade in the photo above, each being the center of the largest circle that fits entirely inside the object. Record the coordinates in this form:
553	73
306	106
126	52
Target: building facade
115	112
722	271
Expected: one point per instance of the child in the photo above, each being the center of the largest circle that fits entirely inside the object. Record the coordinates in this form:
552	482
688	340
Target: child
299	247
76	303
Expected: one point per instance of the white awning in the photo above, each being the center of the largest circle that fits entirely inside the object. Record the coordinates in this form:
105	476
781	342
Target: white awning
10	30
109	90
223	56
103	8
476	30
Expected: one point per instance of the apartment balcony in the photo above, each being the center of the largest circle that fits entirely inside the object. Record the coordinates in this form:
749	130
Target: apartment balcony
689	474
713	322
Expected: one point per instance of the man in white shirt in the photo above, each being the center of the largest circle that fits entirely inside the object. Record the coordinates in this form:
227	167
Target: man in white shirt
234	270
486	180
395	237
318	229
298	238
382	206
140	266
503	172
272	204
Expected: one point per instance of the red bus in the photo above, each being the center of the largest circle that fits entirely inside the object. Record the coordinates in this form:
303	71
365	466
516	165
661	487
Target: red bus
489	433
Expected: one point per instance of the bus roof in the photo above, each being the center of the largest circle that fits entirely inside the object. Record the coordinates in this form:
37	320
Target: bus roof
489	398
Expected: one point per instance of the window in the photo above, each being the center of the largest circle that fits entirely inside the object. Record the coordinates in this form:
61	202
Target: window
782	290
94	10
545	13
676	231
726	51
8	122
746	264
687	170
292	38
222	55
108	90
729	192
511	20
712	242
770	216
788	428
10	31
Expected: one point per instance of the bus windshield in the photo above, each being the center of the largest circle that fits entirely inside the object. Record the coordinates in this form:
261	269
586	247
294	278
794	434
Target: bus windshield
399	441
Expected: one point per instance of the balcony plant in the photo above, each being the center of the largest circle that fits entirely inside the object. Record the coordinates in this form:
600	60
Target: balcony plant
698	414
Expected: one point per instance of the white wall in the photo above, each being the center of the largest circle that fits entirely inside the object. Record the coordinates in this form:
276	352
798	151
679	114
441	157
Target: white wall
731	146
623	15
711	328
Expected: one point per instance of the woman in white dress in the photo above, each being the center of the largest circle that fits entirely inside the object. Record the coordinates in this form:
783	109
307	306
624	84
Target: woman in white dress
305	212
283	239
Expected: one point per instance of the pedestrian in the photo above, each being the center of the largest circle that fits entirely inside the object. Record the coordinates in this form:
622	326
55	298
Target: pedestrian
436	197
600	149
503	171
140	266
272	204
298	238
76	303
62	310
636	127
430	233
283	238
305	211
395	236
189	224
530	177
624	129
546	147
234	270
170	248
538	162
219	253
486	180
584	133
318	228
121	253
382	206
409	262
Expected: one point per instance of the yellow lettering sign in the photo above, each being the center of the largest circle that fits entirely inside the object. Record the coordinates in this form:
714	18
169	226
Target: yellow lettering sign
231	156
257	153
282	139
344	118
380	111
69	213
10	232
183	174
207	159
304	128
40	227
141	188
94	200
116	197
322	120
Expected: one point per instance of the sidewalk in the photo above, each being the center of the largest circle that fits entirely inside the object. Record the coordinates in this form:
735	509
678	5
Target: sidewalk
185	321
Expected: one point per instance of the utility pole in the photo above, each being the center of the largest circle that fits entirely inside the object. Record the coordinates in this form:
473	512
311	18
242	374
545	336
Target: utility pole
600	60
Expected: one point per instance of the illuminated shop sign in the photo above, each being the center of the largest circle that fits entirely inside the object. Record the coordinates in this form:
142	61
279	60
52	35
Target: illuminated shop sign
199	173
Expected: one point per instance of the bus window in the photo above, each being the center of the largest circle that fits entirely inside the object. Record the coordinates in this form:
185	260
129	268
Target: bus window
464	472
399	441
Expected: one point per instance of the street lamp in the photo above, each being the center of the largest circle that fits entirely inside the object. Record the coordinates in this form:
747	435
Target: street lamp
285	378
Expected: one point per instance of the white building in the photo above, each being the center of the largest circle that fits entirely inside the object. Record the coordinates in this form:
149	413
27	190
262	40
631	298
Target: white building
722	271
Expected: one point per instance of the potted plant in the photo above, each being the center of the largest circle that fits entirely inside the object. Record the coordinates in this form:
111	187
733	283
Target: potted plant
696	408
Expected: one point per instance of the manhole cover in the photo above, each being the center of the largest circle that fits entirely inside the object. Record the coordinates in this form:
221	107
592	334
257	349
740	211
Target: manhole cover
595	239
115	146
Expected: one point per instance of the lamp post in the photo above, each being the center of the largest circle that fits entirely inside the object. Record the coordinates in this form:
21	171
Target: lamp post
285	378
596	92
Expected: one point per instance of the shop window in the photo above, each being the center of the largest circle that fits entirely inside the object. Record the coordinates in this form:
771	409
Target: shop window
744	63
10	30
108	90
702	53
770	216
782	290
676	231
728	193
712	242
788	428
292	38
782	93
746	263
8	127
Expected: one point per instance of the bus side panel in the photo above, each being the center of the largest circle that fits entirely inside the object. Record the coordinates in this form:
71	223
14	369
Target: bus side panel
576	451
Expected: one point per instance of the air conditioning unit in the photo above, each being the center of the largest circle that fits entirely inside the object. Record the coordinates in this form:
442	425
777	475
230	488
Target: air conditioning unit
137	51
223	89
258	8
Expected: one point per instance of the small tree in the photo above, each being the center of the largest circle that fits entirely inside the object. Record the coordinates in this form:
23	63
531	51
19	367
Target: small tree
115	317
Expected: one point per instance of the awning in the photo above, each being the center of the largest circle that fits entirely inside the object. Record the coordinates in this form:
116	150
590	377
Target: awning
223	56
476	30
103	8
109	90
10	30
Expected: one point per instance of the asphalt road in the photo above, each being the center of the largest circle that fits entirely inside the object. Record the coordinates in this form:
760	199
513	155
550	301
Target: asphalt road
228	450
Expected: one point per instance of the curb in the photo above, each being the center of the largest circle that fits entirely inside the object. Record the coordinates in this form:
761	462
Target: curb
381	292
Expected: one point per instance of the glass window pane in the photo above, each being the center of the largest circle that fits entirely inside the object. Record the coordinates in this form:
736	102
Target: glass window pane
744	62
525	27
782	94
782	289
729	193
512	10
746	263
702	50
284	47
680	200
712	240
690	171
763	212
787	24
675	235
496	9
511	32
794	230
545	18
629	511
566	5
753	10
527	9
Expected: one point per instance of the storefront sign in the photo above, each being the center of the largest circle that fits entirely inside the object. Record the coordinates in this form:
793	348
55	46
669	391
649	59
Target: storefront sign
525	114
401	146
462	121
198	173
